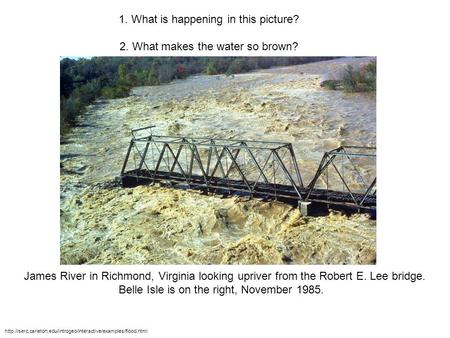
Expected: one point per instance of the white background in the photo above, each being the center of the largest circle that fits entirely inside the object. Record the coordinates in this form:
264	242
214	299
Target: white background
410	42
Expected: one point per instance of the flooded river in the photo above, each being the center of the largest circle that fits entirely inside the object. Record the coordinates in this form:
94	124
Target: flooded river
155	225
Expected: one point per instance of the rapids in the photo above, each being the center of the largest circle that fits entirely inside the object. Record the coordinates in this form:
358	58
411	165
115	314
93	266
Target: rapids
102	224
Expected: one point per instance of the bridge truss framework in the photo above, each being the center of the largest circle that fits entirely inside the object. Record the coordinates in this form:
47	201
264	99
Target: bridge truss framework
261	169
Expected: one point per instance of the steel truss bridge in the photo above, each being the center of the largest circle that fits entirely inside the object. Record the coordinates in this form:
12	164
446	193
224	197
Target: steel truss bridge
344	179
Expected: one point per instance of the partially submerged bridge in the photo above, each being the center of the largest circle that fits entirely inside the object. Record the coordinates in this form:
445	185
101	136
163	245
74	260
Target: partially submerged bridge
345	178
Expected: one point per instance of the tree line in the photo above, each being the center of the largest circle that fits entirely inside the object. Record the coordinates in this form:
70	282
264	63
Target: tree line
355	80
86	79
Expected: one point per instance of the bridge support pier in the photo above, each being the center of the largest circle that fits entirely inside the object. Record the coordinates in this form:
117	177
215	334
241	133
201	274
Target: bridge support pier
304	207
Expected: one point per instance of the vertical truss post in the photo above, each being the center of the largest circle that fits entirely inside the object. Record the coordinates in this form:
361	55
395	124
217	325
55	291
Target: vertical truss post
297	170
144	154
208	163
196	156
127	156
286	172
161	155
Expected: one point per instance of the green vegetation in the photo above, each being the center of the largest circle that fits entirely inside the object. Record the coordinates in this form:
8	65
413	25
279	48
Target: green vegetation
330	84
84	80
355	80
211	67
362	80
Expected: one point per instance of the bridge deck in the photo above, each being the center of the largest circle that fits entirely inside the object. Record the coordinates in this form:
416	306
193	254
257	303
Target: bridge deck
216	185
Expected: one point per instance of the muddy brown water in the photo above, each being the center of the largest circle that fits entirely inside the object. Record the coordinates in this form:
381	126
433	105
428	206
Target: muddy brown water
156	225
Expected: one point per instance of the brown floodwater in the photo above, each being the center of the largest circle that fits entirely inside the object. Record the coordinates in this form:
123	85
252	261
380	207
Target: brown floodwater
156	225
